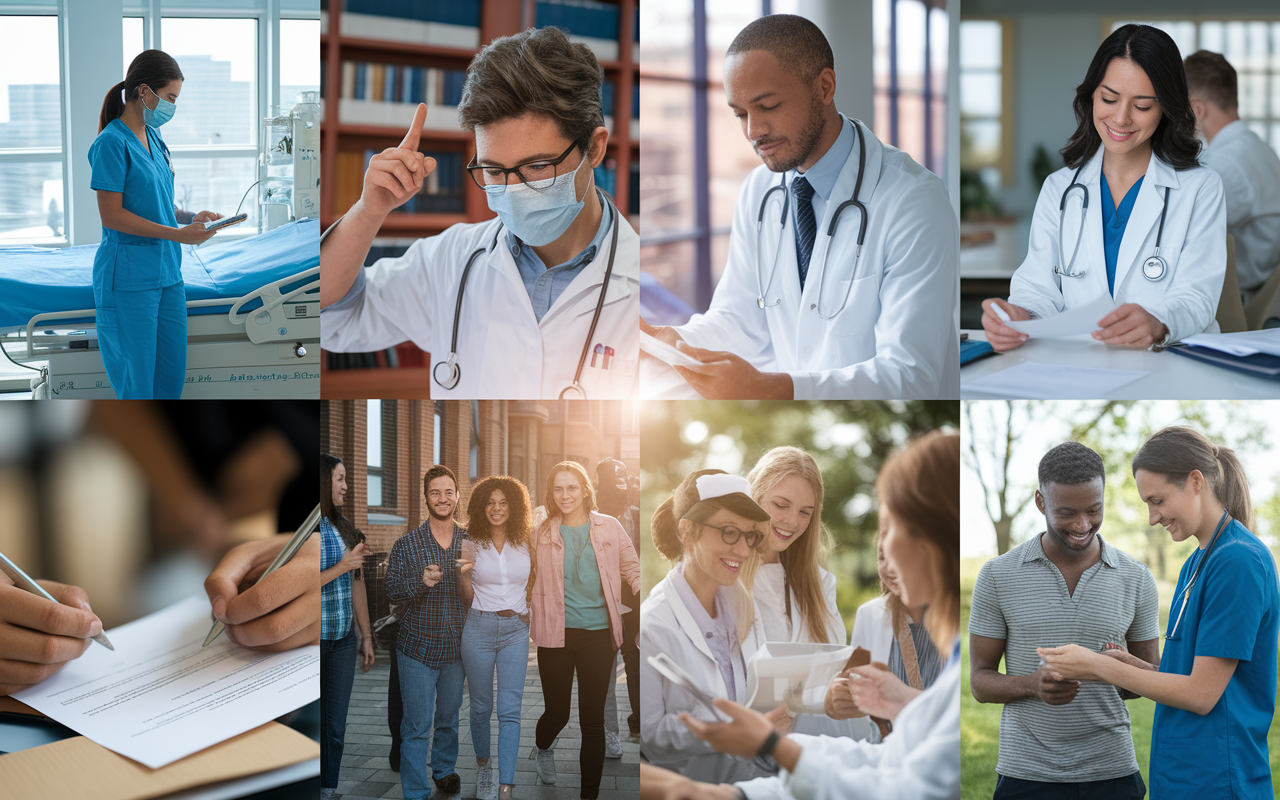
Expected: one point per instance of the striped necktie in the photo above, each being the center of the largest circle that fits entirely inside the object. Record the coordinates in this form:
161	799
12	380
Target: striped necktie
806	225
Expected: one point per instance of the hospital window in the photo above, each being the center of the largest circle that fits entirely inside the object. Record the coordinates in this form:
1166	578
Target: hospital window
32	171
1252	47
373	443
985	48
437	444
910	65
381	453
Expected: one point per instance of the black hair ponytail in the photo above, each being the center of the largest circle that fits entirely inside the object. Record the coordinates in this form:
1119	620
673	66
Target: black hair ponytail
152	68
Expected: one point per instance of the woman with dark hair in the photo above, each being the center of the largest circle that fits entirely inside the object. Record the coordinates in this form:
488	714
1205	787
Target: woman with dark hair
1131	158
1215	691
342	601
137	270
495	580
581	559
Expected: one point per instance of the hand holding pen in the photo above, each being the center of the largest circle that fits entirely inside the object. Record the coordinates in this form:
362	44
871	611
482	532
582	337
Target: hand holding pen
41	628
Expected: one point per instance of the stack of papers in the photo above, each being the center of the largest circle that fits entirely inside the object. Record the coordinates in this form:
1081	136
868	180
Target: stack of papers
1252	352
794	673
1078	321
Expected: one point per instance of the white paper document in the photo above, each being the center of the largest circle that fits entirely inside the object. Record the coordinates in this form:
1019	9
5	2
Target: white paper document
1072	322
794	673
665	352
161	696
1039	381
1243	343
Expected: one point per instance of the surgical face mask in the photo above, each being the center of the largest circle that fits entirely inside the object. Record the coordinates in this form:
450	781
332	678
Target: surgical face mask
162	113
538	216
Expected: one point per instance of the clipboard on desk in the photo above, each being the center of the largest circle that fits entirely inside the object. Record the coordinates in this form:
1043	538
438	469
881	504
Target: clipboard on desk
1261	365
973	349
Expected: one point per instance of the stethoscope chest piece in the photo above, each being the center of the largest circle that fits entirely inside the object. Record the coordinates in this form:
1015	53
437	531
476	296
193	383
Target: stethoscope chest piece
452	372
1153	268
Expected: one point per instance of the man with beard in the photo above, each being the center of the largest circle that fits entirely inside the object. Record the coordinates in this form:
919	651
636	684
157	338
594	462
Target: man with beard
833	299
1062	739
422	577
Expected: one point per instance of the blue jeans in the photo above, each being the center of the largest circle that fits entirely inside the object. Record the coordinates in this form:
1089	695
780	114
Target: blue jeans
337	672
489	640
431	699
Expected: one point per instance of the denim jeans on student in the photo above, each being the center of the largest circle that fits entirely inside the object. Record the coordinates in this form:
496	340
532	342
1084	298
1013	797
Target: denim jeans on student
490	641
337	672
431	698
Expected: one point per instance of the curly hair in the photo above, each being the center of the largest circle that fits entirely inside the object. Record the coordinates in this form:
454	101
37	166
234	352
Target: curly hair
1071	464
519	508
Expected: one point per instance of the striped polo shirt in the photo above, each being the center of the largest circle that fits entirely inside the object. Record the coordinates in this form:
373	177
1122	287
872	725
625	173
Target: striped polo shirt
1022	598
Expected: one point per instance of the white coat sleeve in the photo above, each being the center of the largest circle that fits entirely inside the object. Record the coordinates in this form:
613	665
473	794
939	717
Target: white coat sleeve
735	322
395	305
1191	302
663	736
919	289
1035	286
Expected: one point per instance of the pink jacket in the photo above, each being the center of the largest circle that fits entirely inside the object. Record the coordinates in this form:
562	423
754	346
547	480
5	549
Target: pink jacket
615	556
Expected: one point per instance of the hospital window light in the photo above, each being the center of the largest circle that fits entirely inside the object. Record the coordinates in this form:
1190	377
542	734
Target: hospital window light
1252	46
32	168
373	451
983	45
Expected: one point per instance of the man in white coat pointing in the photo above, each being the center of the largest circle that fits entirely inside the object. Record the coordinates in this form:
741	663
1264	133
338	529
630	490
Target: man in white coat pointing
541	302
843	271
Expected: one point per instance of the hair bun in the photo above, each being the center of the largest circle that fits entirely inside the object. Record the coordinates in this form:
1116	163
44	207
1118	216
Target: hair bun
663	529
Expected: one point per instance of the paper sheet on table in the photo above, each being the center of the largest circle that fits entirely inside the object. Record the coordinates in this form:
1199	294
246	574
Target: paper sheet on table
1040	381
161	696
1072	322
1243	343
665	352
795	673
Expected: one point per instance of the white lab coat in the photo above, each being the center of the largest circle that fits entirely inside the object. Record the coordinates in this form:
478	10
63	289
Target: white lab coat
667	626
771	610
919	761
1194	248
503	350
897	337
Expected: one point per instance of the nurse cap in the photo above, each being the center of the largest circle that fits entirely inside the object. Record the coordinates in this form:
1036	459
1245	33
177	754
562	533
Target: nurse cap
706	490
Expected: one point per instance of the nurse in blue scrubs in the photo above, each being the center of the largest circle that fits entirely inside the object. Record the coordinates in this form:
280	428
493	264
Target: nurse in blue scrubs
137	272
1215	691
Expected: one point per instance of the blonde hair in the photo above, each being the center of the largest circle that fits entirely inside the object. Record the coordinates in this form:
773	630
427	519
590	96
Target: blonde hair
920	486
800	561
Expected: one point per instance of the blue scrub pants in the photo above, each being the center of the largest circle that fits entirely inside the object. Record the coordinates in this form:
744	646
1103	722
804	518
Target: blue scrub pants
143	339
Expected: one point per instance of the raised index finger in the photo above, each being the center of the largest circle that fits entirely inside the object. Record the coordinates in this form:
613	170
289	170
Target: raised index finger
410	141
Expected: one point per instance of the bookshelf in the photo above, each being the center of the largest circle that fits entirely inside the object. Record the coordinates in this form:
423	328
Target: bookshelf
377	65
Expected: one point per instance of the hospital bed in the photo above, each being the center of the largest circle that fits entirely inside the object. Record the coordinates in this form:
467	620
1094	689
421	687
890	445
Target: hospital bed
253	325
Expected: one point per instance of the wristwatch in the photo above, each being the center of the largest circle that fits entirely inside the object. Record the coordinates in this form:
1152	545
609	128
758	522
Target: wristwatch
770	743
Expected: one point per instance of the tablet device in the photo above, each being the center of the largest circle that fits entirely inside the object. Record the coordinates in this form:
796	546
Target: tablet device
215	224
672	672
666	353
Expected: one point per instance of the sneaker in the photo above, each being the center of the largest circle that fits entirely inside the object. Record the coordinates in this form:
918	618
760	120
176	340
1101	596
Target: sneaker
486	789
328	794
612	747
546	765
448	788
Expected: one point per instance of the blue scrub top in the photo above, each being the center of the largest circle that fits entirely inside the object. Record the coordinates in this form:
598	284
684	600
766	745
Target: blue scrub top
1114	221
1233	612
125	262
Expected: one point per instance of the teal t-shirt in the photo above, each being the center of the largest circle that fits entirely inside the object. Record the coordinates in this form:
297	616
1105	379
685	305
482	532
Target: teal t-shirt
584	606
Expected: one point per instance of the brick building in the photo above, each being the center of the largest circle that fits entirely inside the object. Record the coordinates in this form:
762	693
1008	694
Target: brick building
521	438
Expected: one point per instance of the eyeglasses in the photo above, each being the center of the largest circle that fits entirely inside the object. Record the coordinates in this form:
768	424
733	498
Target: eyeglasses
730	535
537	175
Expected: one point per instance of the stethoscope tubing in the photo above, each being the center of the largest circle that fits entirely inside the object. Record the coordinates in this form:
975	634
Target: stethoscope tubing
1186	590
1153	269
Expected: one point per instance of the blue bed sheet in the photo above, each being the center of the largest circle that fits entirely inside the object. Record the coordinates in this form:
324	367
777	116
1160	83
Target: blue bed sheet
35	280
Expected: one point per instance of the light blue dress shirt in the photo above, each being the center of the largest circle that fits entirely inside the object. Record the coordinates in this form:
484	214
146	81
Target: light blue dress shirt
546	284
822	176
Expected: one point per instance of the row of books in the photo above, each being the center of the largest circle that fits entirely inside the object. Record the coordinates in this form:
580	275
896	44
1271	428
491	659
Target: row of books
441	193
400	83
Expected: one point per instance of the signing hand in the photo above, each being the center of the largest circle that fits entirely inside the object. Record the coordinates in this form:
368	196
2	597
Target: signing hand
280	613
744	736
354	559
879	692
38	638
432	575
192	234
725	376
397	173
206	216
366	654
999	335
1069	662
1130	326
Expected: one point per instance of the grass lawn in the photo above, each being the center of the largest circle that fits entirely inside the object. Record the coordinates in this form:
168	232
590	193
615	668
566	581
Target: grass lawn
980	723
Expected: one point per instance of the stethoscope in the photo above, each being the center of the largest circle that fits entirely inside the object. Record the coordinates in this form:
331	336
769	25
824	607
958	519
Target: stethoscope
1153	268
453	372
831	232
1186	592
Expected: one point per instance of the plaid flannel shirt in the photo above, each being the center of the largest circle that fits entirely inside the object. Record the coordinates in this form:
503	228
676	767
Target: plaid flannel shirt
335	596
431	622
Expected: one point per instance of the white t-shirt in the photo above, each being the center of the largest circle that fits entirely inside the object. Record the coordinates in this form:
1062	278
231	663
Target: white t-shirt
498	580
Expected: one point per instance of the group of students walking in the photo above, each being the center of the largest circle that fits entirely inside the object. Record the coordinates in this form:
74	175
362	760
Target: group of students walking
470	603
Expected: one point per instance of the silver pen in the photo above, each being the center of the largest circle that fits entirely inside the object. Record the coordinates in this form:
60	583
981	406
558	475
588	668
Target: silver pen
23	581
291	549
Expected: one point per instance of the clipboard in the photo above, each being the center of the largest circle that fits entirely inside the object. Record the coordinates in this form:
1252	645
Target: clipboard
673	673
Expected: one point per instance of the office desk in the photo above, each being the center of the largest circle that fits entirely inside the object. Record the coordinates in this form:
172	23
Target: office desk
1172	377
